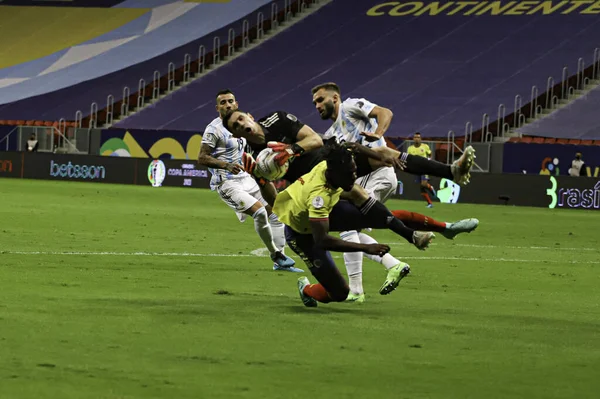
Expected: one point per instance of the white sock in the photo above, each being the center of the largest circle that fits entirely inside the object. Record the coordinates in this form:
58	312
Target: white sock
387	260
263	228
353	261
278	231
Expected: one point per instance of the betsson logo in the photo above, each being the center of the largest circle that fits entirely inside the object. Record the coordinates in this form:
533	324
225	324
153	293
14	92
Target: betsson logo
74	171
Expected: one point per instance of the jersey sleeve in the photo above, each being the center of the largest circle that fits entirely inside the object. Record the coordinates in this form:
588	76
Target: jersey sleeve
359	107
210	137
319	205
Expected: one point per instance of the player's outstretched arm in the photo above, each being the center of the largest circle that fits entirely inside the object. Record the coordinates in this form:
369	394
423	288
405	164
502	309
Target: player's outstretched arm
384	119
205	159
378	157
320	229
308	139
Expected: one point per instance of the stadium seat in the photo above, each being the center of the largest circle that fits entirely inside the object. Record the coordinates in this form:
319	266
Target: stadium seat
549	140
538	140
586	142
526	140
578	120
461	58
574	141
562	141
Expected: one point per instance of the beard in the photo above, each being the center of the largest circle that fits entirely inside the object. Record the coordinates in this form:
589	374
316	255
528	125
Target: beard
327	111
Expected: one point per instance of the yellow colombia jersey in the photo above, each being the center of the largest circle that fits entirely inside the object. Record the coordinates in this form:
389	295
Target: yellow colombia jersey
422	150
307	198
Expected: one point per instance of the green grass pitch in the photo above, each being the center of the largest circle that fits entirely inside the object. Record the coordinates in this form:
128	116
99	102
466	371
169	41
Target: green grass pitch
98	299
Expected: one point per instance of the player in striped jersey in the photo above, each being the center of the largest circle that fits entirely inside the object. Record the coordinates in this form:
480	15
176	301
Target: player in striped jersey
222	154
357	120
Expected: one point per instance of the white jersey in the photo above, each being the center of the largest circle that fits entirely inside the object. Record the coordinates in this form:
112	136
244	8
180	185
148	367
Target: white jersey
225	148
352	120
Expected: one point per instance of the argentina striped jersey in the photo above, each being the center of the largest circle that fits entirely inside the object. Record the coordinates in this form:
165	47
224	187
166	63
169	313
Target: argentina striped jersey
225	148
353	119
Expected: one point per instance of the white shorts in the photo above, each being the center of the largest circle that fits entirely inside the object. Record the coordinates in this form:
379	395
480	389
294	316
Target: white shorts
380	184
240	194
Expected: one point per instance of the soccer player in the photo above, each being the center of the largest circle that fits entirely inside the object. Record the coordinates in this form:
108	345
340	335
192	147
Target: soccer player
295	140
222	154
311	208
299	143
422	150
357	120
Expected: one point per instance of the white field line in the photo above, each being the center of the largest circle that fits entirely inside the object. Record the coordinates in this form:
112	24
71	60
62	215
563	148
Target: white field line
257	254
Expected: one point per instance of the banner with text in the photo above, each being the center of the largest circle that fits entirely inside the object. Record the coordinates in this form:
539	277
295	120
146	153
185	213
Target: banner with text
88	168
511	189
544	191
172	173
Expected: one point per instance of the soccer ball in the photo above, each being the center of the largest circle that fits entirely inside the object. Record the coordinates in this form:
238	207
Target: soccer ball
267	168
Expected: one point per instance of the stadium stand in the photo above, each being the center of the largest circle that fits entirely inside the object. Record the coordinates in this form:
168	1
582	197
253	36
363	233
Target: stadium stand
577	120
162	45
435	73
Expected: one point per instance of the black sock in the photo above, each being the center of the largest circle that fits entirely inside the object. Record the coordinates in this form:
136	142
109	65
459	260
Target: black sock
417	165
379	217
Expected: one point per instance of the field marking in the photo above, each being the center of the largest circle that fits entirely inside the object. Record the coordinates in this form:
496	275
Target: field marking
556	248
257	253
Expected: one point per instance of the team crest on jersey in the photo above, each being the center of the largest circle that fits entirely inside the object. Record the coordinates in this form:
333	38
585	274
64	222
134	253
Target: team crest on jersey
292	118
360	104
318	202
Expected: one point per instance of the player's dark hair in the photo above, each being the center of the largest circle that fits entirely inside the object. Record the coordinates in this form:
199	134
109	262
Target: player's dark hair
419	133
228	115
327	86
338	157
224	91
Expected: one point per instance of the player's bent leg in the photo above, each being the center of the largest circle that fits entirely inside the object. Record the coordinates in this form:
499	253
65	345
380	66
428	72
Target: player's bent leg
418	221
332	287
387	260
276	226
263	229
396	270
459	171
353	262
346	216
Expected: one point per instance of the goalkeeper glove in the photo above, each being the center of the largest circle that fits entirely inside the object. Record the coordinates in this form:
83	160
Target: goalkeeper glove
286	151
